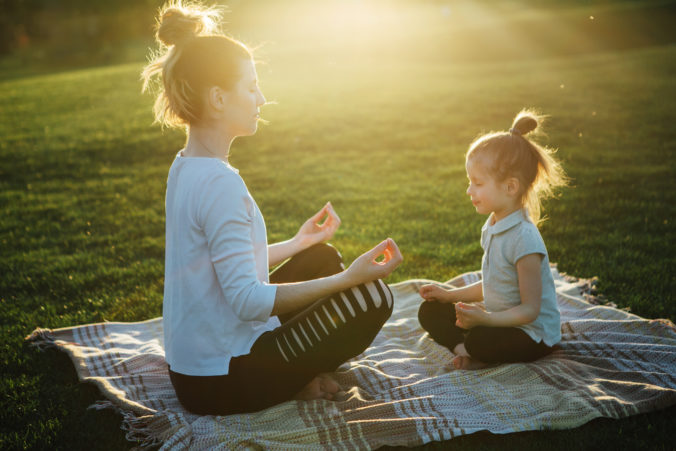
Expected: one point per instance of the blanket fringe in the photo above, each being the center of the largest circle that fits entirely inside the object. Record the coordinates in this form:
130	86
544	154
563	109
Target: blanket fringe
148	431
41	339
589	291
138	429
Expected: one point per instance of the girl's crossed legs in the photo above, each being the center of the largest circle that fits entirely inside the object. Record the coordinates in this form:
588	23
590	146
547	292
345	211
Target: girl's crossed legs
480	345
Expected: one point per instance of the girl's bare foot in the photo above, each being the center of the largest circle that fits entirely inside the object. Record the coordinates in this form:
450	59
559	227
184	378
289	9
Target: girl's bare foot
464	362
321	387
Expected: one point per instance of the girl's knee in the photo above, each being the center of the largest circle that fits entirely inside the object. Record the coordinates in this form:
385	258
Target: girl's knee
430	313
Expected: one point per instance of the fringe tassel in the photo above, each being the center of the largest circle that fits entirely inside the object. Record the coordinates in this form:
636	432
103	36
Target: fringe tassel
140	430
148	430
41	339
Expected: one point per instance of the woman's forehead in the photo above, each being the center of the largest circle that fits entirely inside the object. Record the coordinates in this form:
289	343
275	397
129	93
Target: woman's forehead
249	71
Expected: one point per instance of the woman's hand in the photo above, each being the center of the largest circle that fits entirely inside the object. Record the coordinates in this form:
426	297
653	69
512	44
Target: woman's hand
469	315
315	231
431	292
369	266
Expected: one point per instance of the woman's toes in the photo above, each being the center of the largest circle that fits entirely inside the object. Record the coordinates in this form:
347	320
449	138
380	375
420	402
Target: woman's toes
328	385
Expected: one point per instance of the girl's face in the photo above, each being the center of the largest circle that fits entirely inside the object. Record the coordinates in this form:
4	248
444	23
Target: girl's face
487	194
242	105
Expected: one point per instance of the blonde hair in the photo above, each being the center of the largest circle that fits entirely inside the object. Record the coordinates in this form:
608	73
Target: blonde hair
193	57
513	154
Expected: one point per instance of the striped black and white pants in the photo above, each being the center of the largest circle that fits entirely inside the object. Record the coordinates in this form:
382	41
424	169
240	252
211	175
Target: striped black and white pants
313	340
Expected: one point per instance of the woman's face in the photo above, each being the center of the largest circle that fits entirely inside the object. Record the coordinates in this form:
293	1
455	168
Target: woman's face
242	104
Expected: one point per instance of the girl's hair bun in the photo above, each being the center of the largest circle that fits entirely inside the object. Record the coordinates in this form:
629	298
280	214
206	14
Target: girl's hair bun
178	22
526	121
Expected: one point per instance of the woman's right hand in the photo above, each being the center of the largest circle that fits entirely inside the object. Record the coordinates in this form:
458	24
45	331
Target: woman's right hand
367	267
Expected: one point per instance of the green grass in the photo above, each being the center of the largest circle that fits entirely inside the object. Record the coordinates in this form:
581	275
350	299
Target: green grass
381	134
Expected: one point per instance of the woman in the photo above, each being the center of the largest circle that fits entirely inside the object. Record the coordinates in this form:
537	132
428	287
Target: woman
236	338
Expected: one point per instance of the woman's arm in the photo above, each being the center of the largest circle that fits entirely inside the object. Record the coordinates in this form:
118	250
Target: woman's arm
313	231
530	288
293	296
470	293
278	252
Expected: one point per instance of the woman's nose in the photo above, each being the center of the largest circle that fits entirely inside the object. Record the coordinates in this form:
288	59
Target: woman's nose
261	98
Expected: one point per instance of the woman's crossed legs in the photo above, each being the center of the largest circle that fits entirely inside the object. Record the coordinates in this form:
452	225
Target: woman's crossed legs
289	361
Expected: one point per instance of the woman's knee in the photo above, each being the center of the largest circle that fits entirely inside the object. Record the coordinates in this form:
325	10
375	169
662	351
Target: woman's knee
325	256
382	297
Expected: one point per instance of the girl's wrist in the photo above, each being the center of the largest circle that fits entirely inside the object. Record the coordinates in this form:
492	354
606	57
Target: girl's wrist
450	296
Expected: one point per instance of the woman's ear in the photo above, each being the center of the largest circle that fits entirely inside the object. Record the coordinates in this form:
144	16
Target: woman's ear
217	99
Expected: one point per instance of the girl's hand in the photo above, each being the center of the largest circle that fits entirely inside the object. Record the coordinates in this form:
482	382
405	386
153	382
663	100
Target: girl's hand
369	266
469	315
315	231
431	292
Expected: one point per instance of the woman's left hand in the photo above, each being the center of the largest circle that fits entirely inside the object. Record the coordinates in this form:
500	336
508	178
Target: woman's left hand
315	231
469	315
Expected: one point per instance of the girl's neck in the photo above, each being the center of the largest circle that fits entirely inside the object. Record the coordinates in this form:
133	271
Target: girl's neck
502	214
207	143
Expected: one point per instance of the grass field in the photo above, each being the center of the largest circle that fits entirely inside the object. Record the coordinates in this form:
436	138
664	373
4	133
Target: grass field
378	129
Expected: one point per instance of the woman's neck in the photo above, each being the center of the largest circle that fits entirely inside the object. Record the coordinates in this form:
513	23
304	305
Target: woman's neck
207	143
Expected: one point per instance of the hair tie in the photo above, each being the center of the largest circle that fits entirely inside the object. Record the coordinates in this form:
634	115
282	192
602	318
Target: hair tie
514	131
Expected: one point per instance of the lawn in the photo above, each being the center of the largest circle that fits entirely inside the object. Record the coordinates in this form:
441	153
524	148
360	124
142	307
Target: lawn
378	129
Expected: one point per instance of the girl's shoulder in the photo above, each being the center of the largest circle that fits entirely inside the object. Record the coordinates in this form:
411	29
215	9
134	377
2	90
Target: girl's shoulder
527	240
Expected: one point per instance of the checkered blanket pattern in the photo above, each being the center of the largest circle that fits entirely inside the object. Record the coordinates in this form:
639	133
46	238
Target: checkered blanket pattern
403	389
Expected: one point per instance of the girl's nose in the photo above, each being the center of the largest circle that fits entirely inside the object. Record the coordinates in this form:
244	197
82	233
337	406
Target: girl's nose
261	98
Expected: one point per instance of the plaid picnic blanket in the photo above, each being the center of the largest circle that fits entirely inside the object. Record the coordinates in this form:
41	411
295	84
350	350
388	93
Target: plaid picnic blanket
402	390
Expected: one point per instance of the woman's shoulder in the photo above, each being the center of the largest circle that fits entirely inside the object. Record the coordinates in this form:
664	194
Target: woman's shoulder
211	172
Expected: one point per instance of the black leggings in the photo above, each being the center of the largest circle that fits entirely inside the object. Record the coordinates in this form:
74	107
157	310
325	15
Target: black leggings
485	344
313	340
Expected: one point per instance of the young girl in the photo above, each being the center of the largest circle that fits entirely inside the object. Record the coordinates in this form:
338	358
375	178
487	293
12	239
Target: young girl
508	176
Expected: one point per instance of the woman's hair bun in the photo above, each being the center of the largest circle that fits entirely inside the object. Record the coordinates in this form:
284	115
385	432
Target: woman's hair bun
178	21
526	121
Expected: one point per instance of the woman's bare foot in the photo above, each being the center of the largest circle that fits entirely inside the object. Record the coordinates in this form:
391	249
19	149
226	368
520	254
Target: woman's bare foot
463	361
321	387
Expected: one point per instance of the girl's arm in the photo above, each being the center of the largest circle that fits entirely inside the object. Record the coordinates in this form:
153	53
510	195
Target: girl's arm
293	296
530	288
310	233
470	293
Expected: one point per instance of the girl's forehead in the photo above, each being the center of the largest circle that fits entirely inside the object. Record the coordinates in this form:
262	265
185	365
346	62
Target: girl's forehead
476	165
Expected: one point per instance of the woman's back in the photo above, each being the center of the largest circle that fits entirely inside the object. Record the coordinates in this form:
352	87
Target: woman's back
215	238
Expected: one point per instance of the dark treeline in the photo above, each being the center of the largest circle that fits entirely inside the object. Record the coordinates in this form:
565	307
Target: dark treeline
74	25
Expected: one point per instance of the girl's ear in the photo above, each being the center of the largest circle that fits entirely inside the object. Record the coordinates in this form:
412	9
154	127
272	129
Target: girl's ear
512	185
